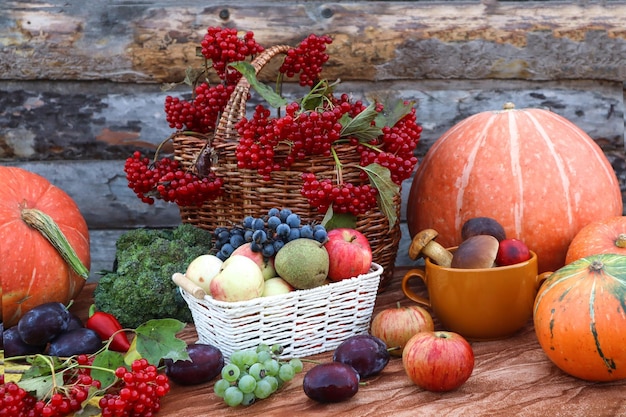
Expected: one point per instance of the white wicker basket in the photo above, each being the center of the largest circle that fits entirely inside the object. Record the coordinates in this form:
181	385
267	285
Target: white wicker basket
304	322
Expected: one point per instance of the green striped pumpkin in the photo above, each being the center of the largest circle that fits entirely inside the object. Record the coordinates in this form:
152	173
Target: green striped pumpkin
580	317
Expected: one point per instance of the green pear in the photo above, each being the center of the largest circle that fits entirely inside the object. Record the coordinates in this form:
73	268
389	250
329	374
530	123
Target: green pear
303	263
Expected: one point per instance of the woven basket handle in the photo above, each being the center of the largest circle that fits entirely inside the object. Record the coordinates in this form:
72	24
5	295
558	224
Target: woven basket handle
235	109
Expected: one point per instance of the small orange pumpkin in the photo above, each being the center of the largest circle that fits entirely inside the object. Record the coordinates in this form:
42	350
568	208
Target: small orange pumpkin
32	269
580	317
602	236
539	175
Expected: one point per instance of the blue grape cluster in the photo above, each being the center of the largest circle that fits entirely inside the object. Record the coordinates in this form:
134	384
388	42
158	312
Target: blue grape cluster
267	234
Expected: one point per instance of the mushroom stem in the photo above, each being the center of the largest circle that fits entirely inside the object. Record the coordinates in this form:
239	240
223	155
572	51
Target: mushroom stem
423	244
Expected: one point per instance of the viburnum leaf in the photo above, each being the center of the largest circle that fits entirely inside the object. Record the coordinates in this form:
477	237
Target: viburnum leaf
393	111
247	70
40	365
41	385
156	340
107	359
380	177
334	220
361	126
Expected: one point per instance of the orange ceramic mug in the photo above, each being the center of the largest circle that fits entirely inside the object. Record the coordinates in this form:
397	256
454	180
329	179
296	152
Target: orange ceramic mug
479	304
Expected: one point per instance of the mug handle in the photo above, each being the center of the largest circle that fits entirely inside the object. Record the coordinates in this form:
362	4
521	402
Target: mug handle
410	274
541	278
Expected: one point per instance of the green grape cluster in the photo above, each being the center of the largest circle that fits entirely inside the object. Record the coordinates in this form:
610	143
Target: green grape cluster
255	374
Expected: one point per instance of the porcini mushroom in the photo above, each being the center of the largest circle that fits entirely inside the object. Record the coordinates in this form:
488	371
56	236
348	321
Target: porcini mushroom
476	252
423	244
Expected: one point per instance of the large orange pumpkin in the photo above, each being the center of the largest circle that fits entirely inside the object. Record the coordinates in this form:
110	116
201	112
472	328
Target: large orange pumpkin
580	317
534	171
602	236
32	271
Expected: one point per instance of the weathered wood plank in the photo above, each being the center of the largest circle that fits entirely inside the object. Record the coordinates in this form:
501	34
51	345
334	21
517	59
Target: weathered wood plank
82	120
154	41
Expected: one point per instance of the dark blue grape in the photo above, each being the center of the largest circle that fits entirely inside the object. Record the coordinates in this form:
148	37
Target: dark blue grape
320	235
259	236
221	256
247	236
227	250
283	230
247	222
293	220
284	213
273	222
273	212
258	224
255	247
294	234
237	240
223	237
278	245
306	232
268	250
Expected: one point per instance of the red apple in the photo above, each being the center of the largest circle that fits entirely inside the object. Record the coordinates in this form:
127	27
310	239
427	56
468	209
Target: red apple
396	325
349	253
512	251
438	361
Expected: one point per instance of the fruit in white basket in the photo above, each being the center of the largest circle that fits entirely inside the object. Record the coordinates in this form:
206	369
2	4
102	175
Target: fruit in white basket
303	263
240	279
438	361
266	264
349	253
396	325
276	286
202	270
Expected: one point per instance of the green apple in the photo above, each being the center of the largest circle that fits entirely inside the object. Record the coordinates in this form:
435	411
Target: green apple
202	270
240	279
276	286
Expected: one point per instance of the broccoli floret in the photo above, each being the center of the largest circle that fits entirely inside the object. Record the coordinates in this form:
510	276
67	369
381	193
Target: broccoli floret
141	288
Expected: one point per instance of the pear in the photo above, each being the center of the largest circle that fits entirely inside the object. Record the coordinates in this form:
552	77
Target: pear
303	263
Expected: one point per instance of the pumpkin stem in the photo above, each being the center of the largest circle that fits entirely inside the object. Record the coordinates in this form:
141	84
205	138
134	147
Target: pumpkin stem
621	240
43	223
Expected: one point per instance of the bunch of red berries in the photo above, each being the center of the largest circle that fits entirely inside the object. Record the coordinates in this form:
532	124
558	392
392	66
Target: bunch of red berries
139	393
165	179
136	393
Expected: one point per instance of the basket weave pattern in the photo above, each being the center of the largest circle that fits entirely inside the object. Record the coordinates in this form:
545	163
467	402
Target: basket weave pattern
245	193
304	322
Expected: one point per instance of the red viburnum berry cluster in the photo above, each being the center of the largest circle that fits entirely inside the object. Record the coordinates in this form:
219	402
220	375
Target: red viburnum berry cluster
166	180
139	393
307	60
66	400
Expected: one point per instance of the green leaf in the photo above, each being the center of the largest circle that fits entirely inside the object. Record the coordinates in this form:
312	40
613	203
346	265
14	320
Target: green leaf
110	360
40	366
156	340
393	111
380	177
361	125
337	220
41	385
247	70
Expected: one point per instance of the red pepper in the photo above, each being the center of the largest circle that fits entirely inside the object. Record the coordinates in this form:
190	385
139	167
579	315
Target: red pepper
106	325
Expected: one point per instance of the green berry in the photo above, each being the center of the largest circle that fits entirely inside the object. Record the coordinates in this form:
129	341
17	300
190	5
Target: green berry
233	396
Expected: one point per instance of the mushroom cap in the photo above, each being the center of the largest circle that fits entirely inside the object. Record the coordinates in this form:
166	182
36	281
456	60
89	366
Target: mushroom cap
476	252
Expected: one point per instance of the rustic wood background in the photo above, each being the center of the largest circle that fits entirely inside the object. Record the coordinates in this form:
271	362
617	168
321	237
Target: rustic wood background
81	82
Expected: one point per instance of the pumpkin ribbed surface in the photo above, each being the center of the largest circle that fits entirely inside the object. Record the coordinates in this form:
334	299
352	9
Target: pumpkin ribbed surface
532	170
580	317
602	236
31	269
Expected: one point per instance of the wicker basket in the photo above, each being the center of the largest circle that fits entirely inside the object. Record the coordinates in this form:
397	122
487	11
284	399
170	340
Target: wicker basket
247	194
304	322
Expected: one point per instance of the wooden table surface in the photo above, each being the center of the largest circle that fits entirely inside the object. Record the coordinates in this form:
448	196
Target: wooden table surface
511	377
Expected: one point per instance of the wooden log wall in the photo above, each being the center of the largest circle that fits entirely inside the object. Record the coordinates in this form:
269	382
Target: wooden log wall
81	82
